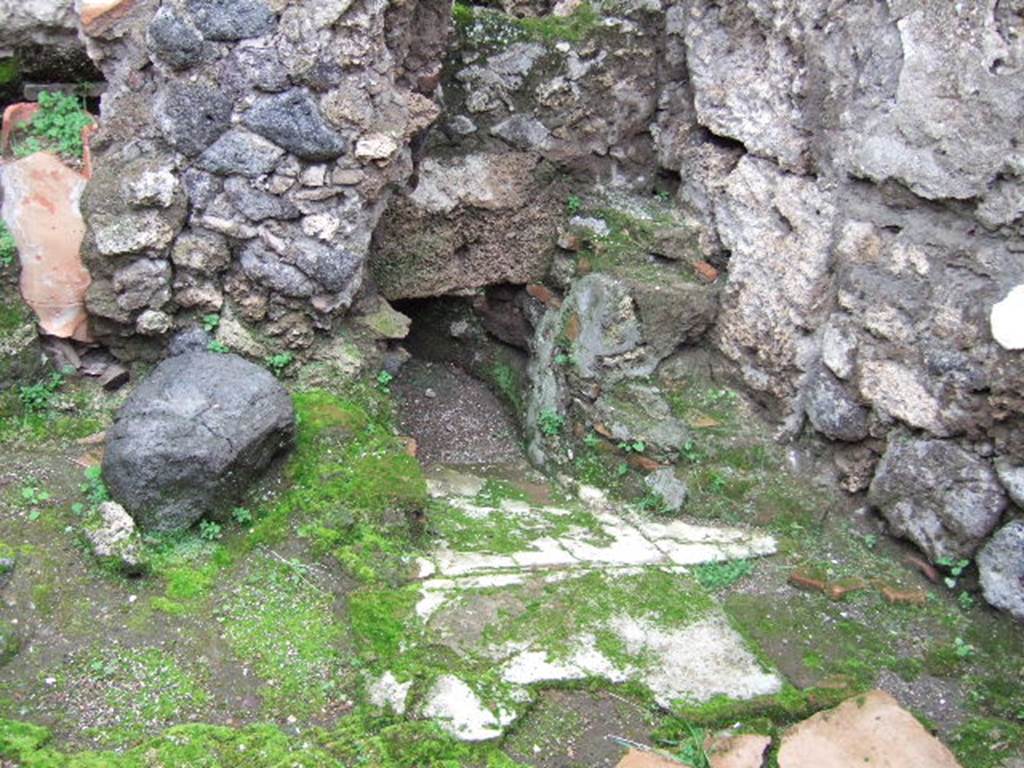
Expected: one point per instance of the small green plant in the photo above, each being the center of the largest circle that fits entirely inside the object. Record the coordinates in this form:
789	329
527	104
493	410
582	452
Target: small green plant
622	470
93	487
211	322
691	452
209	530
869	540
38	398
26	146
573	204
8	248
591	440
653	502
963	649
217	346
241	515
717	482
955	568
57	126
633	446
34	497
691	751
563	359
384	380
716	576
965	600
550	422
277	363
94	490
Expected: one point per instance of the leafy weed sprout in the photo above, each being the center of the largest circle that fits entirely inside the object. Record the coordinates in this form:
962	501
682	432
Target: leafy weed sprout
209	530
241	515
38	398
279	362
57	126
34	497
94	490
955	567
716	576
550	422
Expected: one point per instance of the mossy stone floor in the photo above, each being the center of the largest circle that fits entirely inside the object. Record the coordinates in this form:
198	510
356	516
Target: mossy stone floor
266	643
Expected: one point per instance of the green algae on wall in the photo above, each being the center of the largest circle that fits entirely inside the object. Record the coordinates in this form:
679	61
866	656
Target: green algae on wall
479	25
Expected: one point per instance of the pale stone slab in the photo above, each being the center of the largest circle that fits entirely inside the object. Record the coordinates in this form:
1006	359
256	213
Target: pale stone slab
448	482
627	548
459	711
535	666
680	553
546	553
461	563
386	692
697	661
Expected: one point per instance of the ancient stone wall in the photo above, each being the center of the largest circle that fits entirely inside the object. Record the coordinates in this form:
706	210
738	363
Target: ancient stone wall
246	152
871	209
854	168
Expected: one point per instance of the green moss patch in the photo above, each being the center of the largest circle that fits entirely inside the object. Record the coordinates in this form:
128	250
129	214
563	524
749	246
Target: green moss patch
357	740
487	26
281	623
500	531
556	616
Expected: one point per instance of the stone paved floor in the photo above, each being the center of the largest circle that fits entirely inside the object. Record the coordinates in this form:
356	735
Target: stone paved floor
465	595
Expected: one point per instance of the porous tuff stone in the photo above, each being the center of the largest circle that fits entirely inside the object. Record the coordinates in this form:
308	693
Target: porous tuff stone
832	410
174	40
241	152
266	267
938	495
293	120
671	489
228	20
114	538
193	436
192	116
1001	567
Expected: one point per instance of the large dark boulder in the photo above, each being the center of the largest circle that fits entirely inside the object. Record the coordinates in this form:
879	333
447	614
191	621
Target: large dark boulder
193	436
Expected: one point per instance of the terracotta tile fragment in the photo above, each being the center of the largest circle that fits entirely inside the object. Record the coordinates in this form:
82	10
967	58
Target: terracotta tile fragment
41	208
903	596
926	568
869	730
544	295
643	463
801	580
705	271
572	327
740	751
